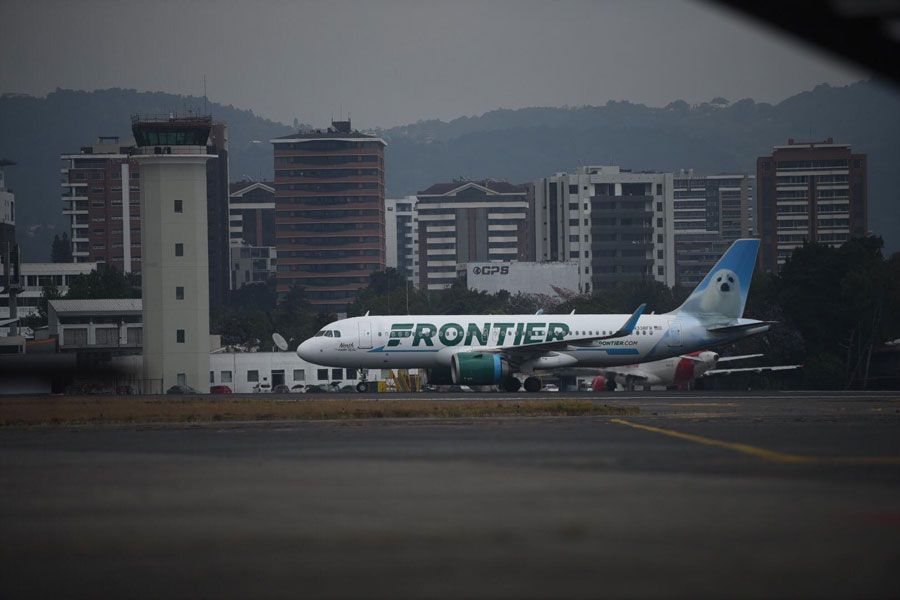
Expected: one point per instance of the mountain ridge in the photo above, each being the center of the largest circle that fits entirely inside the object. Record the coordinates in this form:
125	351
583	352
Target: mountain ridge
519	145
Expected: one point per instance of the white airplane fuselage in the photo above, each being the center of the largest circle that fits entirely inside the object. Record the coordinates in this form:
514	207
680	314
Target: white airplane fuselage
430	341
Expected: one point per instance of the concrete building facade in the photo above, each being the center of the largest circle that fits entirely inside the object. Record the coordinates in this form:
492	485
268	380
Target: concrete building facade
401	226
329	213
809	191
172	153
618	225
32	279
710	212
471	221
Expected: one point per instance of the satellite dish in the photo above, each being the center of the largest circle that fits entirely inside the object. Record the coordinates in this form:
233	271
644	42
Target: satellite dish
279	341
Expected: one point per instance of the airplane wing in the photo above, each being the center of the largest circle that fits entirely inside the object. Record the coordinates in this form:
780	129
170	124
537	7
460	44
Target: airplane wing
742	357
625	330
752	369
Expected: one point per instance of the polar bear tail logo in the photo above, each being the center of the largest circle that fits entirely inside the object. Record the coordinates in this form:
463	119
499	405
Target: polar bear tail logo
723	292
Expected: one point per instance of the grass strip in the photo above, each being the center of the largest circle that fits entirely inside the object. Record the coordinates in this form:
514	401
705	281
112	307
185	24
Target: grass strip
75	410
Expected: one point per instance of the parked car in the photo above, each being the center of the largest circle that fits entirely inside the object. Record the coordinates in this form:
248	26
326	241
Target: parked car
550	387
314	389
298	389
181	389
219	389
281	389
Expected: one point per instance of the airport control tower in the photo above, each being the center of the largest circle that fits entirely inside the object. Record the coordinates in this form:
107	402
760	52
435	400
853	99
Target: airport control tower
175	265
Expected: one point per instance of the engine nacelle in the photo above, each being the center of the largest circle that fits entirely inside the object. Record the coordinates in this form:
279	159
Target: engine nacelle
440	376
478	368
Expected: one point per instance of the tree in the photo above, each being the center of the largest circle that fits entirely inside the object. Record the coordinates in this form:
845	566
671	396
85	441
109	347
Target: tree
61	250
105	282
49	292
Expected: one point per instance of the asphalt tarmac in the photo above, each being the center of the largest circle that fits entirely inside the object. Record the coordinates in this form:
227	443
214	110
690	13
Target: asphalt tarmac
701	495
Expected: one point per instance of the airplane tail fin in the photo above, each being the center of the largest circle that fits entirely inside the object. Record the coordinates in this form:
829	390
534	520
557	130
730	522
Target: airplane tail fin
723	292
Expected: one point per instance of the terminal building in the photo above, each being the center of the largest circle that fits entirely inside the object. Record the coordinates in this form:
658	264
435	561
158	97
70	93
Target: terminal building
809	191
618	225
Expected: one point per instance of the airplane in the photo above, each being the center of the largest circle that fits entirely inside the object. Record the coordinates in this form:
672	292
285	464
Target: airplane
679	371
493	349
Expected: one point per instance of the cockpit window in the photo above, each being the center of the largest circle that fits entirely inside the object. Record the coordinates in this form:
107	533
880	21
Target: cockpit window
337	333
320	333
329	333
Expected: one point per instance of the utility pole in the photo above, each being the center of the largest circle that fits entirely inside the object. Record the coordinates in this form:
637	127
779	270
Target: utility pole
11	267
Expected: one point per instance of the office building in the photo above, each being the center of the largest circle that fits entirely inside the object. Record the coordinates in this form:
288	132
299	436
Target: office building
710	212
217	214
97	203
329	213
401	227
172	153
809	191
615	223
471	221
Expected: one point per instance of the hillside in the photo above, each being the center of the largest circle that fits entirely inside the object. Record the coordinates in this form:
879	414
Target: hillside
518	145
35	131
525	144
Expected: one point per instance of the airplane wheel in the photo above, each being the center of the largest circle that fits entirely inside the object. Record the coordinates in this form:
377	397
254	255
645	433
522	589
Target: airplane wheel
511	384
362	387
532	384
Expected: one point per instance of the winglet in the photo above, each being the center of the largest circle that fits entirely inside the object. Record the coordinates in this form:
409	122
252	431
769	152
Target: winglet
629	325
626	329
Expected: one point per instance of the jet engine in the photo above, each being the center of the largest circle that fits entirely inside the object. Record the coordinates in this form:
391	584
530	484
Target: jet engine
478	368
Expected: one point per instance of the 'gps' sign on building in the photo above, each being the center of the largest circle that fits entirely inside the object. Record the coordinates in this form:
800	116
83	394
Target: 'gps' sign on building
526	277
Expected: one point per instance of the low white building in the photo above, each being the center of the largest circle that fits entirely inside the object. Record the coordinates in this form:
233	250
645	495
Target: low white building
33	277
96	324
549	278
246	372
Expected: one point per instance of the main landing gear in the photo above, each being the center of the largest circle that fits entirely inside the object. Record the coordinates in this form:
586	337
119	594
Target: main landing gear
511	384
532	384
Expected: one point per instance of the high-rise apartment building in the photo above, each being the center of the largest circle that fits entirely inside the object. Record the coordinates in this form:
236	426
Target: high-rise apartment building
471	221
97	202
7	208
710	212
252	232
809	191
617	224
401	226
329	213
101	196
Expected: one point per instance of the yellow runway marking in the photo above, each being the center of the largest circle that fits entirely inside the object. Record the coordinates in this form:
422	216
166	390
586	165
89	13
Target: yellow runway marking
763	453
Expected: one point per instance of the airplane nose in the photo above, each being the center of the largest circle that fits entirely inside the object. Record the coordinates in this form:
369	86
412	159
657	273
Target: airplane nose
304	350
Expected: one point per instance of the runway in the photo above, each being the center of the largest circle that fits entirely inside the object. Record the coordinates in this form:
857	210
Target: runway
701	494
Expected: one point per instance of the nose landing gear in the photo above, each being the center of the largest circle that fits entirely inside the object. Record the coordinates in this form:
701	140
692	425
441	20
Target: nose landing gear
363	386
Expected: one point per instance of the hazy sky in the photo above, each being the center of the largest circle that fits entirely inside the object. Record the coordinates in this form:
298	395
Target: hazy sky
391	62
